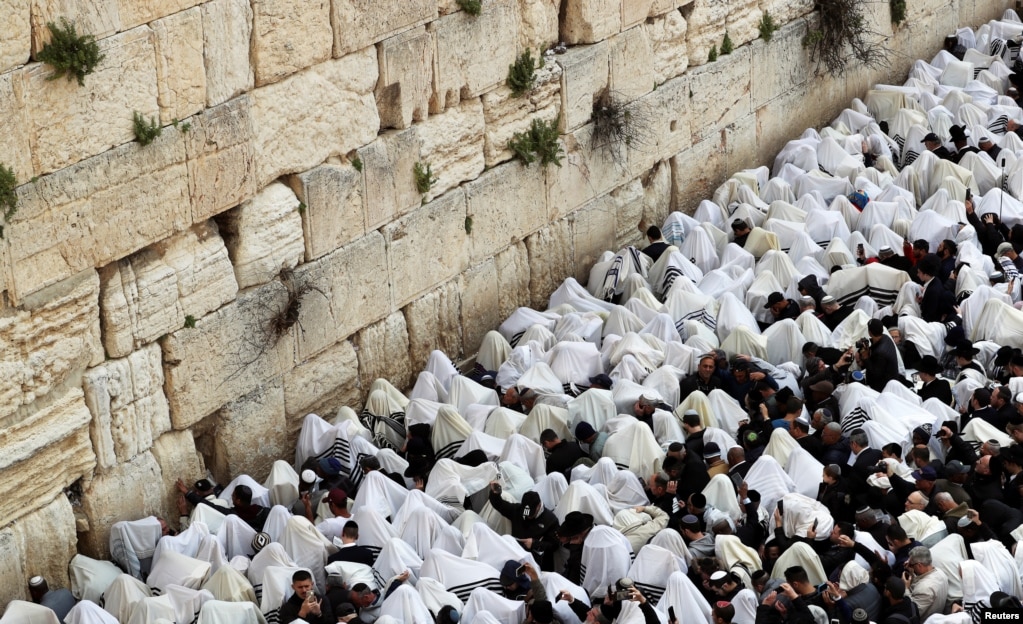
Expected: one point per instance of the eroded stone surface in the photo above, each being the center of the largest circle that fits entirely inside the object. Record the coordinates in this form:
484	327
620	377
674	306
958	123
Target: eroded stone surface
221	164
452	144
359	24
631	64
322	384
550	259
667	35
539	25
585	75
227	27
388	167
406	78
383	350
289	35
506	204
177	458
15	136
181	75
99	19
135	12
590	21
46	541
706	28
722	93
505	114
15	33
434	323
125	492
264	235
235	453
334	212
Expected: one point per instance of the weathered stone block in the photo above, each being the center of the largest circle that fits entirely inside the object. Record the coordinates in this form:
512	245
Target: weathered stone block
324	111
264	235
538	29
785	11
590	21
635	12
631	64
43	454
322	384
226	355
388	170
743	21
654	207
177	458
236	451
426	247
505	114
46	540
70	123
227	28
434	323
97	211
661	121
45	346
587	171
506	204
452	143
721	93
719	156
221	165
16	34
662	7
349	293
135	12
129	409
473	53
358	24
124	493
585	75
480	311
180	73
289	35
706	22
513	275
334	212
99	19
406	78
383	350
592	230
14	127
550	260
667	35
780	66
12	575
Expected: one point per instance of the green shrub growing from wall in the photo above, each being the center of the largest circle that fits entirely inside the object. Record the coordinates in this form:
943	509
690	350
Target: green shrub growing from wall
70	54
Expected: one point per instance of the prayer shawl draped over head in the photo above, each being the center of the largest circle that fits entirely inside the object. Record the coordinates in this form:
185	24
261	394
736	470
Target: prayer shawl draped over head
88	612
132	544
681	594
21	612
460	576
90	578
650	569
122	596
607	556
220	612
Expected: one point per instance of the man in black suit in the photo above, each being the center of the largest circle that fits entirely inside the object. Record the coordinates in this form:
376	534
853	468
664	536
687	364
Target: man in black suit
351	551
933	388
933	143
861	459
936	302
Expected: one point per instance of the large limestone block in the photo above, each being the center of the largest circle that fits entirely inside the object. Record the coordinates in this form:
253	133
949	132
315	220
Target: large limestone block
326	110
70	123
550	260
505	114
722	93
635	12
226	355
406	78
321	385
426	247
15	136
585	75
779	67
181	74
237	451
785	11
264	235
227	27
452	143
434	323
99	19
16	34
358	24
129	409
289	35
743	22
667	35
631	64
46	540
590	21
587	172
539	25
135	12
13	585
383	350
150	293
662	7
707	22
350	293
700	169
506	204
479	298
513	276
662	124
97	211
473	53
221	164
46	345
388	166
126	492
177	458
592	229
43	454
654	208
334	212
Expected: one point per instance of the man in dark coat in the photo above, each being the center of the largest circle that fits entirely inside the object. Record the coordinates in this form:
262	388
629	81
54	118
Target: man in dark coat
535	527
305	604
935	302
561	454
933	388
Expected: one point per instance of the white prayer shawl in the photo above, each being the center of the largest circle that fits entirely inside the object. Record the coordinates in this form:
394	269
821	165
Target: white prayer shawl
978	585
865	538
721	494
801	554
278	518
88	612
221	612
483	544
90	578
186	543
575	362
551	488
479	441
230	585
477	415
588	326
635	448
306	546
999	322
352	573
123	594
995	557
272	555
424	530
607	556
494	350
396	557
632	343
745	604
282	484
979	431
946	556
804	468
482	601
920	525
572	293
466	392
522	319
701	250
459	576
235	537
21	612
276	589
671	540
156	609
768	477
800	514
436	597
737	557
405	606
132	544
260	495
177	569
649	569
525	453
502	422
544	416
583	497
379	493
686	600
450	482
314	440
187	602
664	382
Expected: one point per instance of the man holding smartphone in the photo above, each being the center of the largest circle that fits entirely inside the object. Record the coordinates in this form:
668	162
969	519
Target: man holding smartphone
305	604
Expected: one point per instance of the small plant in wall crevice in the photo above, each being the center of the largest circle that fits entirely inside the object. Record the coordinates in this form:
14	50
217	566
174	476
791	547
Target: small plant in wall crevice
424	177
726	45
472	7
539	142
617	127
522	74
8	195
146	131
70	54
767	27
713	54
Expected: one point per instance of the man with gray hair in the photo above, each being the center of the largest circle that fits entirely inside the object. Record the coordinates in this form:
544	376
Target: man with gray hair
926	586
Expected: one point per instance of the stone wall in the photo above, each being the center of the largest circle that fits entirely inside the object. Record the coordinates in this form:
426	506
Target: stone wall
141	284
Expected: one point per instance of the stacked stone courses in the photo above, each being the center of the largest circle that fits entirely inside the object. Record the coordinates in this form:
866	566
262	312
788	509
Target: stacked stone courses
136	280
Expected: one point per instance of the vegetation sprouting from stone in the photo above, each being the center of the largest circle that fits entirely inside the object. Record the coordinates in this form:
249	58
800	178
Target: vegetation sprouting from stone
540	142
146	131
183	126
357	163
70	54
468	225
424	177
616	128
726	45
522	74
840	35
898	10
767	27
713	54
189	322
8	195
472	7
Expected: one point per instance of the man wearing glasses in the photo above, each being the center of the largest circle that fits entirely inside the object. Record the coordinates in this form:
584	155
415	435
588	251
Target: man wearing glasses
926	586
